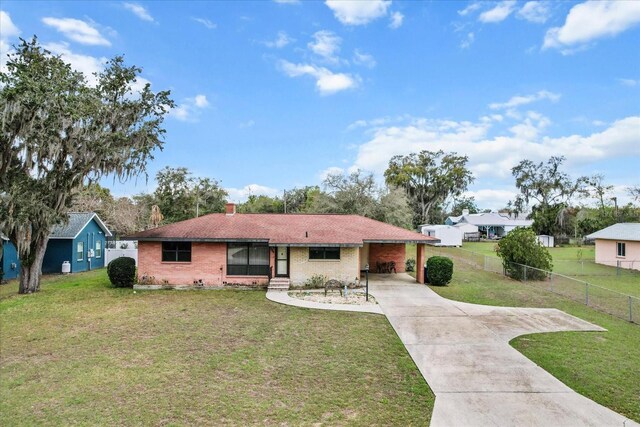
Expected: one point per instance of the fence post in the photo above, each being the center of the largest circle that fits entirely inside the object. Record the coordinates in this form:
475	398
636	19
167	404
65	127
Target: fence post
587	292
525	273
551	282
630	309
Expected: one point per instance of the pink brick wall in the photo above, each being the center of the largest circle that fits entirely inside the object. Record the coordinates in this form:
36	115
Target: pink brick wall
208	263
385	252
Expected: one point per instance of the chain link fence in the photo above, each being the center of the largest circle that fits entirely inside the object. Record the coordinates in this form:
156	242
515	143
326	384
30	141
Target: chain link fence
621	305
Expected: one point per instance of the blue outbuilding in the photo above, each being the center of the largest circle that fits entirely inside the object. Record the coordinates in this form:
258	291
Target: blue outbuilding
81	242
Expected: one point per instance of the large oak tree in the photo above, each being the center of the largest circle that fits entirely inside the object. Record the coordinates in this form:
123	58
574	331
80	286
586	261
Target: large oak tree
59	133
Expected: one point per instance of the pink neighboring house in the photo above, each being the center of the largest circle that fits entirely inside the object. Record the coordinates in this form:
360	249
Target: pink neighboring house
618	245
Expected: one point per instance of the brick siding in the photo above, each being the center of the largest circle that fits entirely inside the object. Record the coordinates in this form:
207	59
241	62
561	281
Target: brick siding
385	252
302	268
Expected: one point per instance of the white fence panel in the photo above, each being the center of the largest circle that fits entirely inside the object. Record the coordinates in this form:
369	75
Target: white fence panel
111	254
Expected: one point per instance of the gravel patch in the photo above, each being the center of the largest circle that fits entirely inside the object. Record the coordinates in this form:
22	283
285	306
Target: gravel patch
334	297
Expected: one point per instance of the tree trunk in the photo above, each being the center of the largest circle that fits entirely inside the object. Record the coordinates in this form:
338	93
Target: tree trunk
31	267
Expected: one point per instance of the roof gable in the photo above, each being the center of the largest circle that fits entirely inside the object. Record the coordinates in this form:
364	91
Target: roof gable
77	221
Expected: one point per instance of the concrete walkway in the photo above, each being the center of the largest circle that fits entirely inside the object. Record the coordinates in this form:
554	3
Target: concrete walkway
463	352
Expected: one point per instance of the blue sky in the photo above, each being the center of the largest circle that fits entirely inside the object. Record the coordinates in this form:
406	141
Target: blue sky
273	95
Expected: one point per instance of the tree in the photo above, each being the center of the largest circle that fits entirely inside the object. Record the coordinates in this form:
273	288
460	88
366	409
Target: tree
300	199
429	178
549	188
519	248
462	203
595	188
358	194
261	204
58	133
181	196
634	192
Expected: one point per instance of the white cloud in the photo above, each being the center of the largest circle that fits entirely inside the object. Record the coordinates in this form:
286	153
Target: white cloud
499	13
326	44
534	11
519	100
356	12
188	110
248	124
77	30
327	82
281	41
396	19
364	59
207	23
86	64
139	11
332	170
201	101
495	156
467	41
592	20
472	7
629	82
239	195
8	30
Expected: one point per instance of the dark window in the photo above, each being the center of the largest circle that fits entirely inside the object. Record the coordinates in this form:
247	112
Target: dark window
622	249
176	251
324	253
247	259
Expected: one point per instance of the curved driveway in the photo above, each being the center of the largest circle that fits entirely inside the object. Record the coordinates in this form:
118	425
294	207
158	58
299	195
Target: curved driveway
463	352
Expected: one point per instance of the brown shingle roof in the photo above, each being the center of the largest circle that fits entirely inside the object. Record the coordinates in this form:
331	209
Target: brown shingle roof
289	229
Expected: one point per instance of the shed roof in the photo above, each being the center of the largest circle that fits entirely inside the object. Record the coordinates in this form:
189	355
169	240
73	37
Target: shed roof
495	219
285	229
621	231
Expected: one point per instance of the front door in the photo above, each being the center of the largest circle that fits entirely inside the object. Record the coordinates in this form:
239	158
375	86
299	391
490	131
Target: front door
282	261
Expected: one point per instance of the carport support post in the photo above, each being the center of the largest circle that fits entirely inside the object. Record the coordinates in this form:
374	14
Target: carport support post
420	255
366	275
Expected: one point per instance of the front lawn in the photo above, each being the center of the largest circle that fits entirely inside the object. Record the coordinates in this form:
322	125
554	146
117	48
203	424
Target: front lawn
604	366
83	353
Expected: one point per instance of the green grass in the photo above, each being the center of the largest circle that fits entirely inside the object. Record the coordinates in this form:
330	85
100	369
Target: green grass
604	366
575	262
83	353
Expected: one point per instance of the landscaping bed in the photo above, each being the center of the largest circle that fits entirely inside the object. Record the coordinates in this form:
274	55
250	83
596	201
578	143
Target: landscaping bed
353	297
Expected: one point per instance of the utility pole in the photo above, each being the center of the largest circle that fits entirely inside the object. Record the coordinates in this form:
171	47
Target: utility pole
284	197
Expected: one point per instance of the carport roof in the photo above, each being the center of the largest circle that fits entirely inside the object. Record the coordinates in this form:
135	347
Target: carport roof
285	229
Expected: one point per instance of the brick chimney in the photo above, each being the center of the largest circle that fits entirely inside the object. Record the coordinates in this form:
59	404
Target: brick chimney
230	208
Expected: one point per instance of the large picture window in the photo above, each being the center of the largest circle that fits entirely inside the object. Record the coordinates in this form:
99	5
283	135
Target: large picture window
176	251
622	249
324	253
247	259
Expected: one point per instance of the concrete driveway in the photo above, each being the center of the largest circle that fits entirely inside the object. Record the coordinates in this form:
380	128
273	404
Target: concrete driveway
463	352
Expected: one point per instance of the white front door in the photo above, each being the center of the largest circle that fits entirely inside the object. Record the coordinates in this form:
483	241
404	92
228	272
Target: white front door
282	261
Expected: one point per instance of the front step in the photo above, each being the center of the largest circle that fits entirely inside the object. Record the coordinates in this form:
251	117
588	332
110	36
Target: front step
279	284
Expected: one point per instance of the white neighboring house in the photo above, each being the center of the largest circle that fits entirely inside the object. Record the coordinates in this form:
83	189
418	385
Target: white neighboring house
468	230
448	234
491	224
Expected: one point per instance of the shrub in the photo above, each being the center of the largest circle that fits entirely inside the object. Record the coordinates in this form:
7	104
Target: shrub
439	270
410	265
316	281
122	272
521	248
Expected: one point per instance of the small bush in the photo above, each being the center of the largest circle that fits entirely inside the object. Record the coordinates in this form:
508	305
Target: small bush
316	281
410	265
521	248
439	270
122	272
